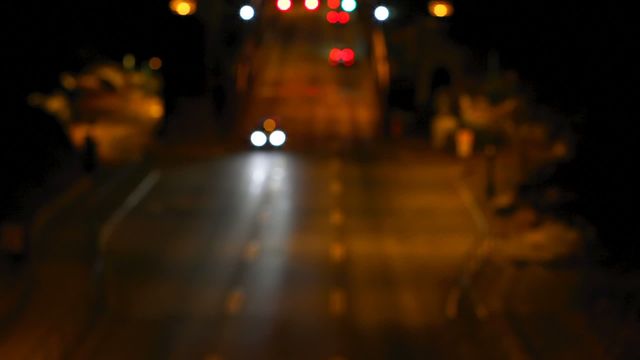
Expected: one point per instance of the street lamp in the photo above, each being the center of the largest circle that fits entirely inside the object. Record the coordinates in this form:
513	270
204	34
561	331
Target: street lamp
440	8
183	7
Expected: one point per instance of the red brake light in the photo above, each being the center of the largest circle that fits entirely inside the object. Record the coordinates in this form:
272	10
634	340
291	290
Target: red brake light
335	56
348	57
343	17
332	17
333	4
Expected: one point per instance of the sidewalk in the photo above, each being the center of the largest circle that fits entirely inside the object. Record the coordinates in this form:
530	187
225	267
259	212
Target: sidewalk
48	304
97	191
540	274
63	256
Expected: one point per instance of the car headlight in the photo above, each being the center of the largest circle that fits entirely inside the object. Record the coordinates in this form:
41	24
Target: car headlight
277	138
258	138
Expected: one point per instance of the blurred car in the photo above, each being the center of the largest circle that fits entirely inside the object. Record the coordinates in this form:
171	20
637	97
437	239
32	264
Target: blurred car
345	57
268	134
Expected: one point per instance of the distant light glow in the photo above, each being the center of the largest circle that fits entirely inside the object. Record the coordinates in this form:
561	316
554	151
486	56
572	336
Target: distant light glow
284	5
247	13
277	138
312	4
333	4
381	13
349	5
129	61
348	57
258	138
332	17
335	56
156	110
68	81
269	125
440	8
155	63
183	7
343	17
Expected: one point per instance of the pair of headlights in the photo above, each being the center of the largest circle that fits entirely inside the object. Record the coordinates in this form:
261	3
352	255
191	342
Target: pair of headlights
276	138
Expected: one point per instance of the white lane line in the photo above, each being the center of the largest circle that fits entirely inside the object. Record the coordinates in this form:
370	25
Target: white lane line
337	252
336	217
132	200
335	187
235	302
337	302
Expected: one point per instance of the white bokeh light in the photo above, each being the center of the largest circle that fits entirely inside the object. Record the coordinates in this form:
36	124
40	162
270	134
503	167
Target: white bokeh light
277	138
381	13
258	138
349	5
247	13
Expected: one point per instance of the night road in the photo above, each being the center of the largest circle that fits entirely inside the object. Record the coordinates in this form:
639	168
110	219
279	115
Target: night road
393	222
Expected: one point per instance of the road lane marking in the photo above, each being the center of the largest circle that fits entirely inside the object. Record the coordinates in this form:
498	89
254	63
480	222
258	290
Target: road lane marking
336	217
337	302
335	187
235	302
337	252
131	201
251	251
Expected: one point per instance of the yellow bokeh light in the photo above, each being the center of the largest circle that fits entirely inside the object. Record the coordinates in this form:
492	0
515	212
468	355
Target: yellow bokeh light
68	81
269	125
155	63
440	8
183	7
129	61
156	110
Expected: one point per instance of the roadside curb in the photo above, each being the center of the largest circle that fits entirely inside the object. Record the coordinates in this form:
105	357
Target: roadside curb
16	292
471	270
